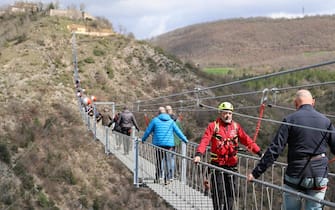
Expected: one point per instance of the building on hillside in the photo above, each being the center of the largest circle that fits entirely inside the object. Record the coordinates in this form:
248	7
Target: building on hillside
22	7
76	28
72	14
82	29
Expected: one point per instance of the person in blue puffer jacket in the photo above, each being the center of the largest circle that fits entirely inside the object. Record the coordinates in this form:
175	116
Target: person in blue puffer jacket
163	129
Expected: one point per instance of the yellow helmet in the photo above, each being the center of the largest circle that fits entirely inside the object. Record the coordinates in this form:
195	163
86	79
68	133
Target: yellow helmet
226	106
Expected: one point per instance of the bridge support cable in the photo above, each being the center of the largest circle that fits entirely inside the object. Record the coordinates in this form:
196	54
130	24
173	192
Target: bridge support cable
265	76
272	121
274	92
189	192
186	190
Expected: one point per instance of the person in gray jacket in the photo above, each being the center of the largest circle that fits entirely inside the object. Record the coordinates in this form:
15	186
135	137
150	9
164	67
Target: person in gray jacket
127	121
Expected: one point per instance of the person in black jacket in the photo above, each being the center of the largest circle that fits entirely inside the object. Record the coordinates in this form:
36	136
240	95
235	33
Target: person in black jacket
307	134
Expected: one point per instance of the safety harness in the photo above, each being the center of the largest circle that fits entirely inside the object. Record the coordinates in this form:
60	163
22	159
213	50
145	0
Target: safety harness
225	147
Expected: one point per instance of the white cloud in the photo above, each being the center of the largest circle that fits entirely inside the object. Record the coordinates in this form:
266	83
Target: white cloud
285	15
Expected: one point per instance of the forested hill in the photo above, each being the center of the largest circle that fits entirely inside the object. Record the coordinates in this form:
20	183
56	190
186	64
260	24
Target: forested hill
256	44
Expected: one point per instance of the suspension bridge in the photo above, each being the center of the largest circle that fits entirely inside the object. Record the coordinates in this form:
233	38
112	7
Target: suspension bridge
188	189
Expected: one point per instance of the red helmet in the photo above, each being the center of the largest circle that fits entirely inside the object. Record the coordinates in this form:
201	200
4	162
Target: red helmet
87	101
93	98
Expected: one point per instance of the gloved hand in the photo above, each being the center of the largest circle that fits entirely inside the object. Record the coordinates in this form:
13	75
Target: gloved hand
260	154
196	159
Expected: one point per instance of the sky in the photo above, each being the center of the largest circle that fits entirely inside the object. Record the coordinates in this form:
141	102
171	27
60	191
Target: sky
149	18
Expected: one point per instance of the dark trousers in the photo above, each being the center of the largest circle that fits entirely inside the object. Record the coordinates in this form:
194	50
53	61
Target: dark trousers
126	131
223	187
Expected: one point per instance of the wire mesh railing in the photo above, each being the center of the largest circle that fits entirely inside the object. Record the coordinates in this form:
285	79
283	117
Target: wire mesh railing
193	186
185	185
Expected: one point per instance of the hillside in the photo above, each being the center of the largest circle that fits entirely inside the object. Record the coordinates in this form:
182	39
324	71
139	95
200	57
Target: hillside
254	44
48	159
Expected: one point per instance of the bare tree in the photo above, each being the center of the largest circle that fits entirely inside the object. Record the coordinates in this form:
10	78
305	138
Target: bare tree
131	35
40	6
122	29
105	22
72	7
56	4
82	7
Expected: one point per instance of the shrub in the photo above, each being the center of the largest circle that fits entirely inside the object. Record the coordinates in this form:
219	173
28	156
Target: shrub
21	38
160	81
8	192
152	64
89	60
19	169
66	175
128	59
4	153
42	200
27	181
98	52
96	204
40	42
48	124
83	201
109	71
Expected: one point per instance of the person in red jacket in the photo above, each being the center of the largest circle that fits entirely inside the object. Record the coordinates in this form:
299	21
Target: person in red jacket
224	135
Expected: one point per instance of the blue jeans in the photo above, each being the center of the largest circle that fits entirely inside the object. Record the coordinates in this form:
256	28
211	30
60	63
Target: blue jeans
292	202
172	164
170	168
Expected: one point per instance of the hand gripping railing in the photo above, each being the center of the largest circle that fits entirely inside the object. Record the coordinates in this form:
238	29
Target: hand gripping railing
191	186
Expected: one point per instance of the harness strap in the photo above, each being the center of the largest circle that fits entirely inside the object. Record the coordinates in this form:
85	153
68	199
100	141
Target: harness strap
217	128
301	188
261	111
216	156
310	158
234	141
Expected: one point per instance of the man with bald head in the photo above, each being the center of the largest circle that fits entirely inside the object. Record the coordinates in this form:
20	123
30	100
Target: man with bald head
307	134
303	97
